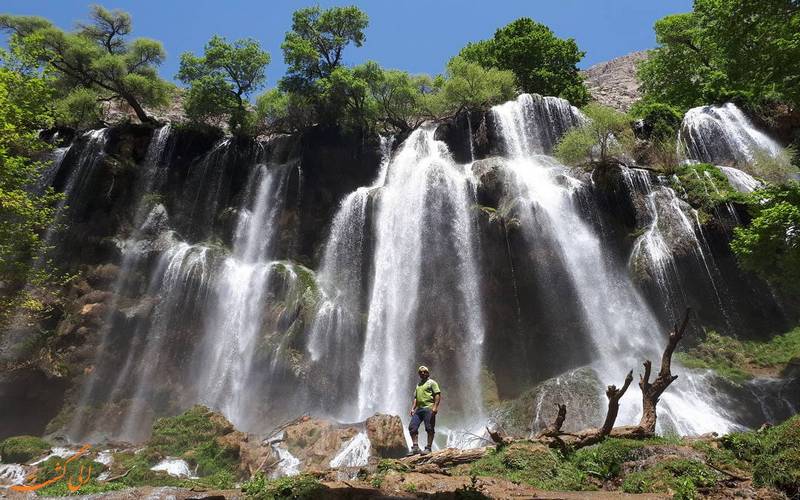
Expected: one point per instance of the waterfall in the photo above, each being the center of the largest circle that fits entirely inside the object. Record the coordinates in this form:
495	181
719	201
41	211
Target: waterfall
425	283
740	181
354	453
236	317
335	335
723	135
622	327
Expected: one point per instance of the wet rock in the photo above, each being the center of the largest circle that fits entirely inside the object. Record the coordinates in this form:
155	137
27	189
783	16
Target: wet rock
385	433
102	275
490	173
579	389
316	442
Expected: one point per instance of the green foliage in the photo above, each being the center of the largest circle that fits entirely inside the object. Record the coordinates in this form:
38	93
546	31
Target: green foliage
83	466
21	449
704	186
603	139
737	360
192	436
469	85
79	109
723	50
293	487
95	57
680	476
540	61
222	79
604	460
775	169
770	244
531	464
24	215
314	47
774	454
661	121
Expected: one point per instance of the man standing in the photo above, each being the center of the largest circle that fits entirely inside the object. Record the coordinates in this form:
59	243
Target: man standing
424	409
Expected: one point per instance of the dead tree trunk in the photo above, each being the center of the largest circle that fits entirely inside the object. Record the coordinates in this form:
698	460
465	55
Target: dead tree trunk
651	392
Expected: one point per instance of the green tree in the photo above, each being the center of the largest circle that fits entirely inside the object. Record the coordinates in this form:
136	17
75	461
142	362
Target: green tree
402	101
24	214
469	85
605	138
283	112
723	50
314	47
541	62
96	56
222	79
770	244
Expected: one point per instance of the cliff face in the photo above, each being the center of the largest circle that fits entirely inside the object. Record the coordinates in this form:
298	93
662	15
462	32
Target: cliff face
614	83
161	227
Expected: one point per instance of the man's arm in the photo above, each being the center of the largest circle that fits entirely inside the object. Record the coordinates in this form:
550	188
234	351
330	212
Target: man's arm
436	399
413	406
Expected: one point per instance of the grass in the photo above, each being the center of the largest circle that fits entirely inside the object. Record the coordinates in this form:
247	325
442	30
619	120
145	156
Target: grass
773	455
193	437
532	464
680	476
737	360
21	449
81	465
605	459
299	487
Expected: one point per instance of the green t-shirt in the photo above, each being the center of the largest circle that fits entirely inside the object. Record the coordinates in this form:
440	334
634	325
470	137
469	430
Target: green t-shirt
424	393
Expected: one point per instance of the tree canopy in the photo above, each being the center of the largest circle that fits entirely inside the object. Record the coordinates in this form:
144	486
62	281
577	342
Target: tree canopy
222	79
24	214
604	138
541	62
723	50
96	57
314	47
770	244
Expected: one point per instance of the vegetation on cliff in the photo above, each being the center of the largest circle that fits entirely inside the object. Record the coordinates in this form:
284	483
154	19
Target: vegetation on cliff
740	360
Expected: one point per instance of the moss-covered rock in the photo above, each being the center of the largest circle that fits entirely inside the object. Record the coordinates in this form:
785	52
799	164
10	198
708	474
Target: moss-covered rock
21	449
199	436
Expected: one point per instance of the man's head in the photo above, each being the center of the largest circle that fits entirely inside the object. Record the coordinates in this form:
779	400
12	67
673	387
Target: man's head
423	372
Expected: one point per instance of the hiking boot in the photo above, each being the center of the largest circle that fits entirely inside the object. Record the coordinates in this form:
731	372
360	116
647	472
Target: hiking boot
426	450
414	451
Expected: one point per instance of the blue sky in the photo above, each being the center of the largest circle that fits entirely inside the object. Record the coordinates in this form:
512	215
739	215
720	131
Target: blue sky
417	36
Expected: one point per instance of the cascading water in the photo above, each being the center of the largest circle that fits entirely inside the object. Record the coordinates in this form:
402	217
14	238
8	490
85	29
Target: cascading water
723	135
423	233
622	327
740	181
235	321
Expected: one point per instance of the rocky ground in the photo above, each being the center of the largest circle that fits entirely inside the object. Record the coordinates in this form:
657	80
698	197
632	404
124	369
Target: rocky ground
200	455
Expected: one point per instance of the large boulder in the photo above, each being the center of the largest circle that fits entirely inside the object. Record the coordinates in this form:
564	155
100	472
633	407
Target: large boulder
315	442
579	389
385	433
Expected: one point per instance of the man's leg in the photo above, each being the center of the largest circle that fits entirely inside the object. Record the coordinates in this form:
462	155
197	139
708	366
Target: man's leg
413	429
430	424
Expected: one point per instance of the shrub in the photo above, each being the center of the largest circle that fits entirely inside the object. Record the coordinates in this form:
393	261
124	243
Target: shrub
681	476
606	137
21	449
292	487
704	186
603	460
